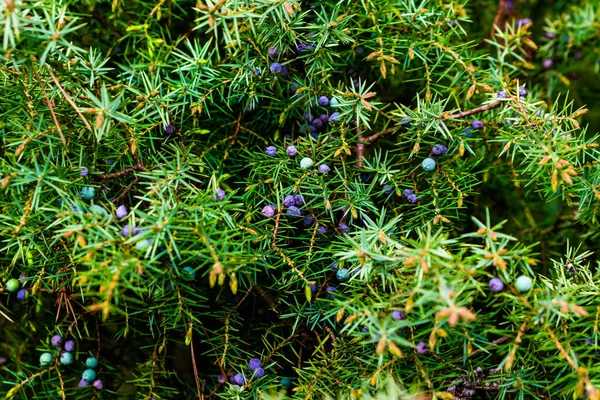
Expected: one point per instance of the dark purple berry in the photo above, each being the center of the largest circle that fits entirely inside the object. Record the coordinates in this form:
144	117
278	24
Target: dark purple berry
268	211
324	101
98	384
56	340
22	294
411	199
239	379
293	210
168	129
422	348
439	149
83	383
259	372
501	94
273	52
313	288
522	91
289	200
343	227
291	151
496	285
477	124
387	189
398	315
254	363
331	291
321	230
334	117
69	345
309	220
275	67
405	122
323	168
299	200
271	151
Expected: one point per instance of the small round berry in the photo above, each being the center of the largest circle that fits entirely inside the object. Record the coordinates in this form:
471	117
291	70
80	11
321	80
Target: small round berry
439	149
221	378
342	274
129	230
83	383
477	124
66	358
405	122
121	212
331	291
321	230
523	284
501	94
387	189
89	375
143	244
428	164
324	101
220	194
272	51
12	285
110	161
333	117
547	63
286	382
239	379
422	348
271	151
407	192
22	294
268	211
550	35
496	285
98	210
309	220
98	384
324	117
56	340
412	198
289	201
188	273
343	227
69	345
522	91
168	129
306	162
323	168
275	67
299	200
398	315
88	192
254	363
293	210
317	123
522	22
91	362
313	288
291	151
45	358
259	372
84	171
284	71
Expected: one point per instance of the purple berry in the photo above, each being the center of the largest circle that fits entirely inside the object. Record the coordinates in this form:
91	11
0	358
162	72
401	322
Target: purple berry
343	227
333	117
439	149
271	151
334	266
411	199
522	22
331	291
501	94
289	200
407	192
317	123
121	212
324	118
98	384
422	348
275	67
477	124
547	63
299	200
273	52
83	383
22	294
550	35
324	101
219	195
84	171
405	122
110	161
69	345
293	210
496	285
522	91
321	230
387	189
302	47
268	211
168	129
259	372
56	340
254	363
239	379
291	151
284	71
313	288
221	378
323	168
309	220
398	315
129	230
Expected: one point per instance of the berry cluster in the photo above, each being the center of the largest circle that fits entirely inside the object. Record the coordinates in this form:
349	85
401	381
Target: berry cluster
238	380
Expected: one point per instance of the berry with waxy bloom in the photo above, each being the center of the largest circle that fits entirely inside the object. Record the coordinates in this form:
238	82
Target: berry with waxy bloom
306	162
97	384
321	230
254	363
220	194
299	200
522	91
333	117
89	375
45	359
293	210
439	149
272	51
259	372
84	171
323	168
168	129
56	340
398	315
268	211
313	288
405	122
69	345
291	151
289	201
239	379
12	285
523	284
221	378
501	94
324	117
477	124
91	362
22	294
412	198
88	192
428	164
342	274
547	63
271	151
324	101
309	220
66	358
343	227
422	348
317	123
275	67
496	285
387	189
83	383
121	212
331	291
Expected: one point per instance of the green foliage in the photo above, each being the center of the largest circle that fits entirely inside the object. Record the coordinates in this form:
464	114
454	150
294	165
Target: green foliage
170	105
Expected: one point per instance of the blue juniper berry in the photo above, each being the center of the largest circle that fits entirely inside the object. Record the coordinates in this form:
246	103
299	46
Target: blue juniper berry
83	383
321	230
313	288
405	122
522	22
254	363
309	220
407	192
342	275
22	294
84	171
289	200
284	71
91	362
271	151
333	117
299	200
496	285
272	51
343	227
121	212
89	375
522	91
428	164
398	315
306	162
324	101
477	124
293	210
387	189
412	198
56	340
422	348
501	94
324	118
334	267
221	378
317	123
291	151
239	379
69	345
323	168
168	129
66	358
439	149
331	292
98	384
219	195
129	230
259	372
275	67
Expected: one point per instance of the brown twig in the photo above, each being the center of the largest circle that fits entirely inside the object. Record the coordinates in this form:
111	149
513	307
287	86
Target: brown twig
62	136
472	111
195	368
71	102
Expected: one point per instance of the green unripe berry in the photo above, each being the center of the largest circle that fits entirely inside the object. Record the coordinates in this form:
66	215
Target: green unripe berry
66	358
12	285
188	273
428	164
91	362
88	375
306	162
88	192
45	358
143	244
523	284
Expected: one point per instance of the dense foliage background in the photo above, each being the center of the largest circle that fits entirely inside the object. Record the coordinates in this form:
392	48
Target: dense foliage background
146	218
